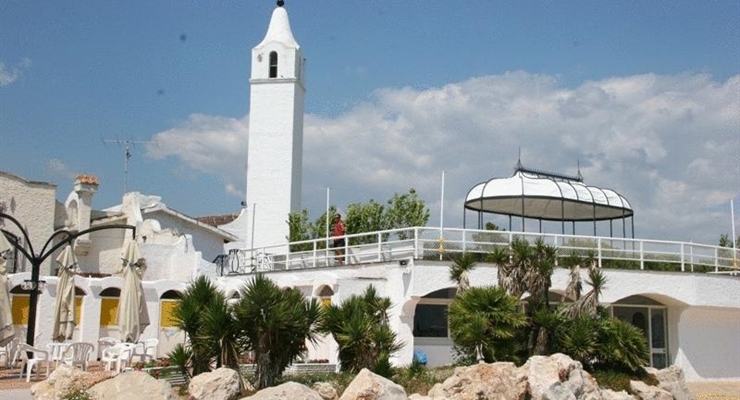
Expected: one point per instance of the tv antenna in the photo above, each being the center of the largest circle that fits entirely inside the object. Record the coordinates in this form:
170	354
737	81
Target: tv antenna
127	144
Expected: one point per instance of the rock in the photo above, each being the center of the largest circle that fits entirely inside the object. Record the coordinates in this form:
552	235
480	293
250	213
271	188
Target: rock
645	392
43	391
286	391
369	386
559	377
221	384
64	381
325	390
133	385
608	394
672	380
498	381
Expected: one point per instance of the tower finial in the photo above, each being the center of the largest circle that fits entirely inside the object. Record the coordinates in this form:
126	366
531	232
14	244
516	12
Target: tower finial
280	3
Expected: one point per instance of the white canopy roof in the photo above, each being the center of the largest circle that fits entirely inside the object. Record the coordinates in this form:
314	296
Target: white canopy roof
534	195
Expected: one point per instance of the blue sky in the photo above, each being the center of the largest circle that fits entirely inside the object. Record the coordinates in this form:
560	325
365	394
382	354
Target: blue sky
646	95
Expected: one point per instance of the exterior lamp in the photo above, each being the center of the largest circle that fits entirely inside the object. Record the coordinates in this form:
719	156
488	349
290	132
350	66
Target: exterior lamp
61	238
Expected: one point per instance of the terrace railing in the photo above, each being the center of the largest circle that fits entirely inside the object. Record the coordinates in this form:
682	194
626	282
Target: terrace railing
435	244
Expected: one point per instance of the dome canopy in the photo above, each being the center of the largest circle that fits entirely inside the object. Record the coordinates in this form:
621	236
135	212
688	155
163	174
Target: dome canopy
534	194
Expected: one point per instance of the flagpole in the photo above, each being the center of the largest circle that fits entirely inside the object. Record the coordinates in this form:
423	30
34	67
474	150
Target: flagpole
733	238
327	225
441	218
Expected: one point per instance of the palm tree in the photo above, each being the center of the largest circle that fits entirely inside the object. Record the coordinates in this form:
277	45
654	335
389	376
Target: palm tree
275	324
528	268
190	317
483	321
588	303
359	325
463	263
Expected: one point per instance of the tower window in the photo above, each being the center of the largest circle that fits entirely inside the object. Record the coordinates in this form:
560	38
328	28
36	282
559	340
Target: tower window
273	64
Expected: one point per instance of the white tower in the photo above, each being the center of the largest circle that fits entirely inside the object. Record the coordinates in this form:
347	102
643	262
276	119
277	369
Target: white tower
275	157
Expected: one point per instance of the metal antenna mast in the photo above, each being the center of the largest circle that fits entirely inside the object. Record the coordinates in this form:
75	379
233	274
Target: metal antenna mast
128	143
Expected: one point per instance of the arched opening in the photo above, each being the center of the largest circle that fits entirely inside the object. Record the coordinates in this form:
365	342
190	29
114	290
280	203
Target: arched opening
273	64
20	305
325	294
650	316
109	306
430	316
79	295
168	302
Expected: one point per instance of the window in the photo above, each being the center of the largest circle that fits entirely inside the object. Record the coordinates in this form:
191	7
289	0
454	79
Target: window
325	295
273	64
109	306
168	302
430	318
650	316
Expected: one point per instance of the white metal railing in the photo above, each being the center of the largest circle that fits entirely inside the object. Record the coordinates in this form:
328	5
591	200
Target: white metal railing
432	243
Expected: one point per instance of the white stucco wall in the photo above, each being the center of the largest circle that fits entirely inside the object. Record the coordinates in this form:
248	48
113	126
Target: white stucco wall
208	244
33	205
709	343
703	330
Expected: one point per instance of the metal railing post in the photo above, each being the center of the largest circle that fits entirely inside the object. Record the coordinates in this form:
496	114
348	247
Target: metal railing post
642	256
598	244
416	243
683	267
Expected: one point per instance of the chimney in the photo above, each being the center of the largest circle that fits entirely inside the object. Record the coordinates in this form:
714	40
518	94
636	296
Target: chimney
85	187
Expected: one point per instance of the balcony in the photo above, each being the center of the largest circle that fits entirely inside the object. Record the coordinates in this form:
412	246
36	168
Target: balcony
430	243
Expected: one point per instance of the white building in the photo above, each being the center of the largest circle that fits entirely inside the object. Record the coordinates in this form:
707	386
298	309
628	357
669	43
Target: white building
691	319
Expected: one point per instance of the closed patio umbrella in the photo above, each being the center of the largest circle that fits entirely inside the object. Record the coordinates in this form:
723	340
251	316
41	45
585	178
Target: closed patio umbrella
7	332
64	306
133	317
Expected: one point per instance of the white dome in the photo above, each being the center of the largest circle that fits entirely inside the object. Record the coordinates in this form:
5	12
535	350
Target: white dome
534	195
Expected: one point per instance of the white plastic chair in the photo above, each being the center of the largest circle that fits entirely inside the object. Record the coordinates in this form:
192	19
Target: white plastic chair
78	354
104	343
120	354
56	350
150	349
10	352
40	357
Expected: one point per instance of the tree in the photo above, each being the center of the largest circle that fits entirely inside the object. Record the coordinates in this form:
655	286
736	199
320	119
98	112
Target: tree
406	210
462	264
203	314
359	325
275	324
528	268
483	321
725	241
401	211
365	217
299	230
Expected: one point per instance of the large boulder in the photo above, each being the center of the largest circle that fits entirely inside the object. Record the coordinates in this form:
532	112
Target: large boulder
370	386
608	394
559	377
221	384
645	392
672	380
133	385
498	381
64	381
325	390
286	391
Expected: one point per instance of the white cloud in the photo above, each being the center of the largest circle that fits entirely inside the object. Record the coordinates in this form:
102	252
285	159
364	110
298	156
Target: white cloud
667	143
58	169
8	75
207	144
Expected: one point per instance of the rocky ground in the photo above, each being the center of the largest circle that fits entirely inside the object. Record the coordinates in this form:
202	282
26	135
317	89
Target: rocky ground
13	387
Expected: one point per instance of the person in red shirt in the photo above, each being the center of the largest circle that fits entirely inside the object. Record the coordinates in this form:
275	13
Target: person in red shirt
337	231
